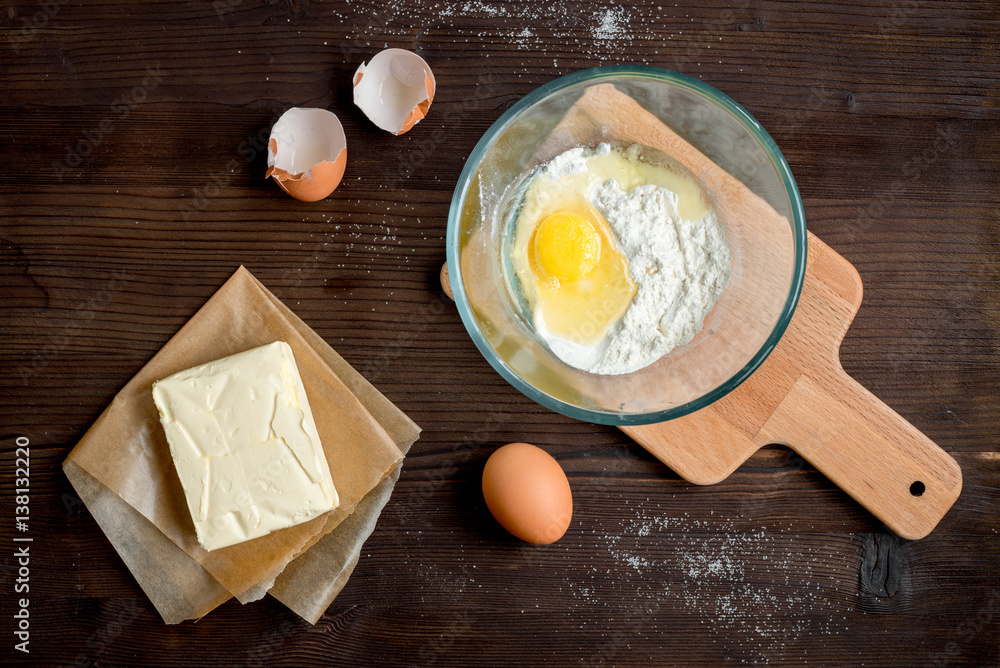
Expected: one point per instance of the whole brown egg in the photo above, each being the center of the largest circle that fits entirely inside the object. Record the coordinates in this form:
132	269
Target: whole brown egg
528	493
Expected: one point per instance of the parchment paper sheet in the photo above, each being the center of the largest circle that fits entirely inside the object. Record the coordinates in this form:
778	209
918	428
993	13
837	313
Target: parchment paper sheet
123	472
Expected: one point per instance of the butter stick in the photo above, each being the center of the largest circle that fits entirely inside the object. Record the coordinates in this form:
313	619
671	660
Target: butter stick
245	446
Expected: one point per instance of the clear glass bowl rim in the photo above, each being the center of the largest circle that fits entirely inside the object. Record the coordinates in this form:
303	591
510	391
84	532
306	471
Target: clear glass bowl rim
595	75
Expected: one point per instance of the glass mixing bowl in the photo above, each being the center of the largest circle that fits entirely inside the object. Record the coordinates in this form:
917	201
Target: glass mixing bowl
757	204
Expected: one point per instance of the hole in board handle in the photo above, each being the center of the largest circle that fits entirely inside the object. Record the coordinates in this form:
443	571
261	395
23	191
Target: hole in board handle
917	488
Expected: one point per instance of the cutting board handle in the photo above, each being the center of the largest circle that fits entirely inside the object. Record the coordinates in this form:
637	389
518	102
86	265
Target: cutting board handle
869	451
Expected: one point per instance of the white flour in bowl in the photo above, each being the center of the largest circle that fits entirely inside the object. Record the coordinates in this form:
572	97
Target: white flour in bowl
680	268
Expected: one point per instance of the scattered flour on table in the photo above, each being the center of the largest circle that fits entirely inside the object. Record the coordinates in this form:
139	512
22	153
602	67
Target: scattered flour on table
613	24
602	33
753	592
756	583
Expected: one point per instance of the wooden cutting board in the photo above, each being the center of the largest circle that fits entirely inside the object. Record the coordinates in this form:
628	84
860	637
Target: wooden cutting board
802	398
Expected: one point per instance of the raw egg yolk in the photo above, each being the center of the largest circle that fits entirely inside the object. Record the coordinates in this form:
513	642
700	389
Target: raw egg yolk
581	278
567	246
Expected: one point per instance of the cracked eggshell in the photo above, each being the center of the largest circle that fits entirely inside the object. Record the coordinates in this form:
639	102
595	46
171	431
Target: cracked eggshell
307	153
394	89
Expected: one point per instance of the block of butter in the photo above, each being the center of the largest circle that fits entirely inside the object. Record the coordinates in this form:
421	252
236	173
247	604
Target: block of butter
245	445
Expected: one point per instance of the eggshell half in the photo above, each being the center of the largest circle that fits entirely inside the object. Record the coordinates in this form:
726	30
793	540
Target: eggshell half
528	493
395	89
307	153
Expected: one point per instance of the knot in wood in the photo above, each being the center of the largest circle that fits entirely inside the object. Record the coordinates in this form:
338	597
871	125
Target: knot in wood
881	565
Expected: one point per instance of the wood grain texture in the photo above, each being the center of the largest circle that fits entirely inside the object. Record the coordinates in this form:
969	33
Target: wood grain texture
802	398
889	116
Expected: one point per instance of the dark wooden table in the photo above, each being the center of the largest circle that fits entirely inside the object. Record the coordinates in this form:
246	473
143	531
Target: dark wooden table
131	137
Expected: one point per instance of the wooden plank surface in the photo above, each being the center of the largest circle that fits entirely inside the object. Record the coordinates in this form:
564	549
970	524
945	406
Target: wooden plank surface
132	139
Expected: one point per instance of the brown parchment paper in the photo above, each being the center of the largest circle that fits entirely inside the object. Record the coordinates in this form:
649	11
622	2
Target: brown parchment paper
125	455
177	586
310	582
308	586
